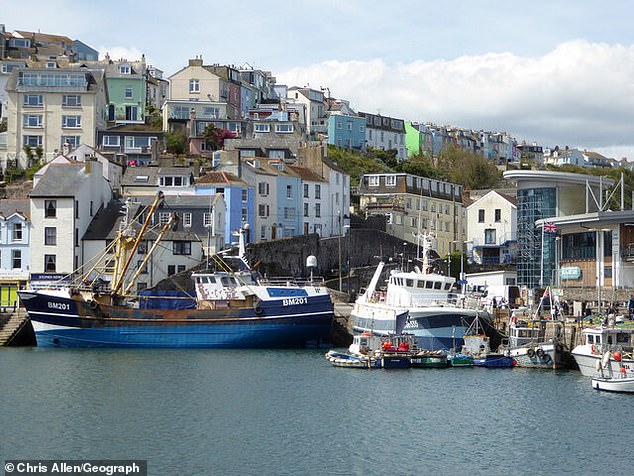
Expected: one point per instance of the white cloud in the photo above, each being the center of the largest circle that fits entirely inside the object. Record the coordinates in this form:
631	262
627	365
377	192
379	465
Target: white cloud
120	52
579	94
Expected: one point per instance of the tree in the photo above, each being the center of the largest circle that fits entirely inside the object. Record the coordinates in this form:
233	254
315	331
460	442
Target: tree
471	170
214	137
176	142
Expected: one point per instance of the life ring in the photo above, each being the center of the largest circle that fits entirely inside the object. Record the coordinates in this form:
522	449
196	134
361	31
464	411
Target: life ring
258	309
540	353
531	352
92	304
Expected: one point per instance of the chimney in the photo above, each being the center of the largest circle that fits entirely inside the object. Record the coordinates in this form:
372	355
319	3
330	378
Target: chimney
196	61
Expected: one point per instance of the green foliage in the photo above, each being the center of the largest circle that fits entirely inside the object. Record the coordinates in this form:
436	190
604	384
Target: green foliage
471	170
176	142
354	164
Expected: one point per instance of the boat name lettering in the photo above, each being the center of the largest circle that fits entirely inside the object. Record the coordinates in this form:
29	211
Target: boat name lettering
294	301
62	306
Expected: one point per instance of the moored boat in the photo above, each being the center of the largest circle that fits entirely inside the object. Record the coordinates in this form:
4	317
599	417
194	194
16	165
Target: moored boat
614	341
478	345
420	303
228	310
615	384
429	359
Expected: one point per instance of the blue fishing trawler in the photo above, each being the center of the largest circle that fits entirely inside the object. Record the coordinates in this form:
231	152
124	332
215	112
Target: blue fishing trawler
230	309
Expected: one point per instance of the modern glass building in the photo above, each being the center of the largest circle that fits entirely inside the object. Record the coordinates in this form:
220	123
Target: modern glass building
542	195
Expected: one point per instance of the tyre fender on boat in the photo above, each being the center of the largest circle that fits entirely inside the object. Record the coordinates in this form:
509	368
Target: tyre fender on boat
530	352
258	308
540	353
92	304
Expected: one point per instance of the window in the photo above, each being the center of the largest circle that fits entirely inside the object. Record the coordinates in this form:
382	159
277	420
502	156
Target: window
498	215
16	259
137	143
171	269
390	181
33	100
194	86
111	141
207	221
263	188
72	141
489	236
263	211
32	141
244	215
125	69
245	195
50	236
212	112
50	264
263	232
32	120
50	208
182	247
164	217
128	93
318	210
187	219
142	248
306	190
138	265
141	286
284	128
305	209
259	127
289	213
180	268
71	121
317	191
373	181
71	100
16	232
480	216
289	191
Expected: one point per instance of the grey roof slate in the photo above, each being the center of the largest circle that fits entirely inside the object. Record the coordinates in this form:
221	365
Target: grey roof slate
60	181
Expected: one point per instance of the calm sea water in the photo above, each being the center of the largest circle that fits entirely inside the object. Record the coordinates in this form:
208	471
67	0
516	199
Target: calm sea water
289	412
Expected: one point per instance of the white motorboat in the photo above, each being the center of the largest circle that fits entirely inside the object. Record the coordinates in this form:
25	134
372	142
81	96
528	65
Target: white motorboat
615	342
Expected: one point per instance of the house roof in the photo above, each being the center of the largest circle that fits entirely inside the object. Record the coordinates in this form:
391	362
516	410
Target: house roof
60	181
212	178
306	174
10	207
151	174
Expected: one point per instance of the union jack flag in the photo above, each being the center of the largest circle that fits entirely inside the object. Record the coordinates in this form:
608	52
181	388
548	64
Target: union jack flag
550	227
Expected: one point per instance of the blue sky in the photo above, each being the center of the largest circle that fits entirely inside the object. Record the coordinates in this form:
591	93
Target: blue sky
551	72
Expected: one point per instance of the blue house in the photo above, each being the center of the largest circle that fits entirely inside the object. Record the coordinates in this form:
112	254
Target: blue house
239	197
346	131
15	229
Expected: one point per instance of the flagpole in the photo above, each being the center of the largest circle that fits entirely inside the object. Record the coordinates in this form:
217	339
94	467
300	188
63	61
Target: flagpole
541	268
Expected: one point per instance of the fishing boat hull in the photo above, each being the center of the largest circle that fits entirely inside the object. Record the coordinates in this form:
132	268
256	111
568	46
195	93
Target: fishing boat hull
588	361
394	361
493	360
429	361
624	385
63	321
545	355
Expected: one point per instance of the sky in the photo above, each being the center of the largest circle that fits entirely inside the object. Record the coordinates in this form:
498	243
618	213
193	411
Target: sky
553	72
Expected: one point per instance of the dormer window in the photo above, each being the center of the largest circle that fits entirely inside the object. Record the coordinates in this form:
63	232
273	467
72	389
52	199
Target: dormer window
125	69
51	64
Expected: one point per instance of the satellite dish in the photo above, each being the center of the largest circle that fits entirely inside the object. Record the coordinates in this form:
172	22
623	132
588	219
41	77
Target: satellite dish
311	262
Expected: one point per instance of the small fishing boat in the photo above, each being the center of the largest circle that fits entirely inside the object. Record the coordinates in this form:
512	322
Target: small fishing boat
478	345
459	359
611	380
617	384
342	359
426	359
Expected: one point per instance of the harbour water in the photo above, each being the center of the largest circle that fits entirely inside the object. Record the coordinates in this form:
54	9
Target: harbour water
290	412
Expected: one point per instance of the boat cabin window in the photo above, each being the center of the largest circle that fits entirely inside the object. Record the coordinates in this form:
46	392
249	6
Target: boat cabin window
590	339
610	340
437	285
421	284
429	284
409	283
226	281
622	337
447	286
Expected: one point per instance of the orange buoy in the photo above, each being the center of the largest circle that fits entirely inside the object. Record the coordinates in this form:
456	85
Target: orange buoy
617	356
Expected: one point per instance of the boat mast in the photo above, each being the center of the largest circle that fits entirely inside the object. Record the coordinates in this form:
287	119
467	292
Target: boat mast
117	279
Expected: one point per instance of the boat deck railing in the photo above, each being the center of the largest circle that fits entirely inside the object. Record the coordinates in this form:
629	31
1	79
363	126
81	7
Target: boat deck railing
292	281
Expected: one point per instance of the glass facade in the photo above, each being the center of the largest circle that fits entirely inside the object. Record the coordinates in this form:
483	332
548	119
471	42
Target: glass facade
535	204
